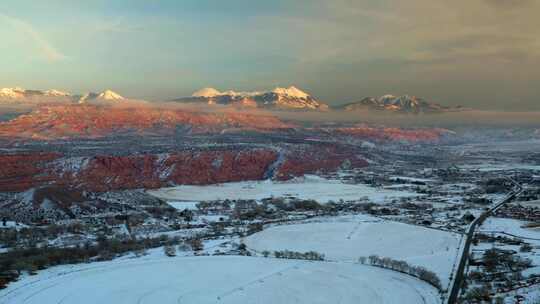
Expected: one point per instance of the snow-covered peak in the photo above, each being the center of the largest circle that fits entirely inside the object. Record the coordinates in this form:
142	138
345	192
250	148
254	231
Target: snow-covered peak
279	98
291	91
12	92
241	93
207	92
56	93
404	104
110	95
211	92
20	93
106	95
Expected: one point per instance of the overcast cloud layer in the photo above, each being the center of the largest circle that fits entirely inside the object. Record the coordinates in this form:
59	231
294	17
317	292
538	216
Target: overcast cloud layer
480	53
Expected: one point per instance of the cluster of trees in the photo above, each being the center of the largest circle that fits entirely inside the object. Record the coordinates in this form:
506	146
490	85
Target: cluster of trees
170	250
304	205
415	206
194	244
36	258
402	266
497	185
286	254
526	247
30	236
247	210
254	228
501	260
275	207
271	208
478	294
501	269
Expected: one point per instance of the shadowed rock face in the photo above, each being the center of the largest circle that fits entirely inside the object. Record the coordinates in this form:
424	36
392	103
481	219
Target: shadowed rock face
21	172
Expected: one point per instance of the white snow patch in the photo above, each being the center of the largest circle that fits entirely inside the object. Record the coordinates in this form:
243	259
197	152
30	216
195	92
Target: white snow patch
12	224
311	187
510	226
225	279
183	205
291	91
71	165
110	95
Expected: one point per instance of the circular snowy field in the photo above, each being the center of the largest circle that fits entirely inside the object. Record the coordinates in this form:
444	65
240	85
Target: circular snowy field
348	238
225	279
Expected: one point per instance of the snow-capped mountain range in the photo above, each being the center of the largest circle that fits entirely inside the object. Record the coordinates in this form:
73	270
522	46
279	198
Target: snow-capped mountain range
290	98
13	95
19	93
401	104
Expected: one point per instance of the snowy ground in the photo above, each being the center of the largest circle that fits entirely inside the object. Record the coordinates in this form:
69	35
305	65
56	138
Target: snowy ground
534	203
531	296
510	227
515	228
488	167
183	205
11	224
309	187
225	279
348	238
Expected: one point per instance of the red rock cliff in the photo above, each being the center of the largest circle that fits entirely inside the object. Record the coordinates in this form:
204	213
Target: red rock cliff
101	173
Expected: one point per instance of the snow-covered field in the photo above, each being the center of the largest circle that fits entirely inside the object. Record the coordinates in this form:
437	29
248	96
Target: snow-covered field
511	227
516	228
348	238
225	279
308	187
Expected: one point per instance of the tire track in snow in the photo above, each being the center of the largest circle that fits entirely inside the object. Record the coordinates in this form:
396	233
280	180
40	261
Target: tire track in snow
259	280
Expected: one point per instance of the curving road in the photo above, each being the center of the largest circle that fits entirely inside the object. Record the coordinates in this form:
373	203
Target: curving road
453	294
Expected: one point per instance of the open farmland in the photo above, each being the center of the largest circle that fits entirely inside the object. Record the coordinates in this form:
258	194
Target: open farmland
310	187
348	238
233	280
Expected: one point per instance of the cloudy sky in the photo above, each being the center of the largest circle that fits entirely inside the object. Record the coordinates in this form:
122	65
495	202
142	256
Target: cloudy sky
478	53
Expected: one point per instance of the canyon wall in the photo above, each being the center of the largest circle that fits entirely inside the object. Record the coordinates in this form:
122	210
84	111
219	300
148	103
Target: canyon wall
20	172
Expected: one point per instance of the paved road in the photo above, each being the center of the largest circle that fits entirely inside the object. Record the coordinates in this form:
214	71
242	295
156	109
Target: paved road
460	272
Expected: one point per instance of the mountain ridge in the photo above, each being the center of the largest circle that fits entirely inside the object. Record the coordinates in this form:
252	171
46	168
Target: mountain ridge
399	104
18	94
107	95
94	120
290	98
280	98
